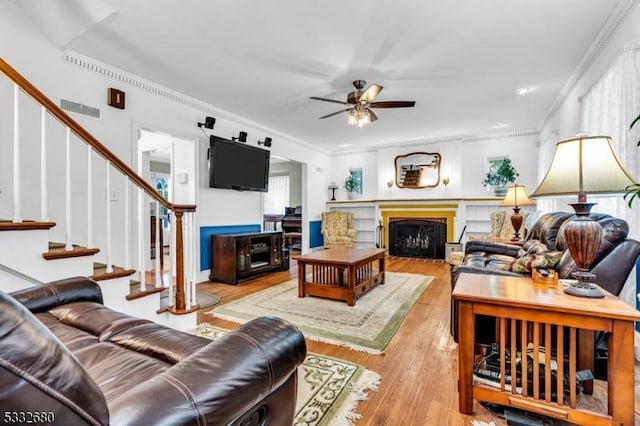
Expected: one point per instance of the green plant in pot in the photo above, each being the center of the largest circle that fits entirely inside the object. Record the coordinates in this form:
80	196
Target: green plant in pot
500	174
352	186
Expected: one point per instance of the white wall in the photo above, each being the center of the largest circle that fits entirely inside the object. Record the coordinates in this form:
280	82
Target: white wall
464	161
26	49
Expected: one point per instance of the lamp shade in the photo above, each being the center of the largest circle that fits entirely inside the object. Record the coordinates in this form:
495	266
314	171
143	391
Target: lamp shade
584	165
516	196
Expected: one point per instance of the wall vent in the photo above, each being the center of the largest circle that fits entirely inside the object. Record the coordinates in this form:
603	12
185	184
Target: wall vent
79	108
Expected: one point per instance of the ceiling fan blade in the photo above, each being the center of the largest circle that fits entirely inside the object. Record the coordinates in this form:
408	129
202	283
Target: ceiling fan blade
335	113
328	100
370	94
372	116
392	104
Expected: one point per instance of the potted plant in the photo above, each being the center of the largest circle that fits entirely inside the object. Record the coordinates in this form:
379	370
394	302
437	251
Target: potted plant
352	186
500	175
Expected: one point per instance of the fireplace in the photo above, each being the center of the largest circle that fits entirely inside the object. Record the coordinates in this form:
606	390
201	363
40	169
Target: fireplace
418	237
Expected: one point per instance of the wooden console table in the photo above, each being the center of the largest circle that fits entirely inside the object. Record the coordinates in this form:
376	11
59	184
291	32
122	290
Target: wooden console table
328	269
526	312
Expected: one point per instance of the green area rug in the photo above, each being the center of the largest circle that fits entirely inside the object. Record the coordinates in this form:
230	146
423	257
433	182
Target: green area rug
368	326
329	389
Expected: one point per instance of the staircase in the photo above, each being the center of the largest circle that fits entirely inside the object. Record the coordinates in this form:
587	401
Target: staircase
45	235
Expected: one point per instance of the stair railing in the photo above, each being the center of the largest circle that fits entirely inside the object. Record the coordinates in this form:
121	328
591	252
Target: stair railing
183	299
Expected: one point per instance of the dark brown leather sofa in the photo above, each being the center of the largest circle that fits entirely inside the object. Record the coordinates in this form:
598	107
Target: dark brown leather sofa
615	259
63	352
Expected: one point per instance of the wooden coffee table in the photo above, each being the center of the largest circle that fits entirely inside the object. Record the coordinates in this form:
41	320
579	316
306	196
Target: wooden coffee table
341	273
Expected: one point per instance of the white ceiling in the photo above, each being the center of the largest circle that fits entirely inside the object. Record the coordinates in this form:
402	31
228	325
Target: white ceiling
461	61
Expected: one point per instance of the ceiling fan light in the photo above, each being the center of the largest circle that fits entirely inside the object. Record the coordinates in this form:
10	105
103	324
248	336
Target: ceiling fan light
352	118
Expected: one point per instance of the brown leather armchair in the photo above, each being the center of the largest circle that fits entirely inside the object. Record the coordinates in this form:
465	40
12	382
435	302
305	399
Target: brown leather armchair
63	352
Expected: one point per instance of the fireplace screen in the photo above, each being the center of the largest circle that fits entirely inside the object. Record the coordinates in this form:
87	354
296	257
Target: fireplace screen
422	238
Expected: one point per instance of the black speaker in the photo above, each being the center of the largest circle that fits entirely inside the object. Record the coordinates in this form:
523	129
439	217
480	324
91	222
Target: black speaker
242	137
267	142
209	122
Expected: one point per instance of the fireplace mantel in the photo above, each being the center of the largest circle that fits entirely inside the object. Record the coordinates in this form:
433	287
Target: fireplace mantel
472	212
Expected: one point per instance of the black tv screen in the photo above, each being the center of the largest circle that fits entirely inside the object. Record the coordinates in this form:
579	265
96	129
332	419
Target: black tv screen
234	165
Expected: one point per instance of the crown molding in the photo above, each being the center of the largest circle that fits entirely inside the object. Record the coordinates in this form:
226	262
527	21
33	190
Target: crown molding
608	30
507	135
446	139
133	80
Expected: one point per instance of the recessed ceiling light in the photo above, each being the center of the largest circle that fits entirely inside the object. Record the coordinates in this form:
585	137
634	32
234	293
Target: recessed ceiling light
499	125
524	90
343	145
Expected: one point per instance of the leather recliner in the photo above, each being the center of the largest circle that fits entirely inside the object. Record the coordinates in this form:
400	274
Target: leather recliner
63	352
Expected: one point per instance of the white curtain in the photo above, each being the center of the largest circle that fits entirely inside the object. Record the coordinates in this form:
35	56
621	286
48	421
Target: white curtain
278	196
608	109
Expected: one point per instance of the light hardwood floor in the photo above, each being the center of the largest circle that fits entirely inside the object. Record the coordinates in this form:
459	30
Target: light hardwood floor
419	367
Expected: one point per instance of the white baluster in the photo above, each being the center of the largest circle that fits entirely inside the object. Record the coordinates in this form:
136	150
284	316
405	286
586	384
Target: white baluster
159	248
17	216
172	292
109	268
44	192
186	262
141	243
89	198
192	257
127	224
68	245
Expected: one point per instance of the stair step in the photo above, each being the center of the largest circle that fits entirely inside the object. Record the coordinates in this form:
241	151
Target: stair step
7	225
136	293
57	251
174	311
100	272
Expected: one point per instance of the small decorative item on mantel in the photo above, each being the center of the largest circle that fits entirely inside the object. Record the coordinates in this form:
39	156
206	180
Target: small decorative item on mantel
332	188
352	186
500	174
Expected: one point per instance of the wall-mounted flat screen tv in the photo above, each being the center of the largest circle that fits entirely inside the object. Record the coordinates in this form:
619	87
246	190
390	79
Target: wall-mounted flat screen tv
234	165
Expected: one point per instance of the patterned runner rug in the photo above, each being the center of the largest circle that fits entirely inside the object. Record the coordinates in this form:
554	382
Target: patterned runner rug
329	389
368	326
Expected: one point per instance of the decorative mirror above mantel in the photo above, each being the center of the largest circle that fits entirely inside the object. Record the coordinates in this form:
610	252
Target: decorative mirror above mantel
418	170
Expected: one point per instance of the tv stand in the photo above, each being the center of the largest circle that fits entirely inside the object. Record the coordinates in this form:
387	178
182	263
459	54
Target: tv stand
239	257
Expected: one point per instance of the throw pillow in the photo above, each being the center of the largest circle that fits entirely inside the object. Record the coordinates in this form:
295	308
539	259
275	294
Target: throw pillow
545	260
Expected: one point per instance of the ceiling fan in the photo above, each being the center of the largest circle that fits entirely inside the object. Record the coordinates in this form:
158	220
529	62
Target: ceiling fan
360	103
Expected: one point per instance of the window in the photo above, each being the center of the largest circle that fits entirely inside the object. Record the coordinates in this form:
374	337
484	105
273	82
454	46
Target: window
162	186
278	196
357	175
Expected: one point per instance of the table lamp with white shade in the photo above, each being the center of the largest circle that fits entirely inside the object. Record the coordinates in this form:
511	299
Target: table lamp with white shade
516	197
580	166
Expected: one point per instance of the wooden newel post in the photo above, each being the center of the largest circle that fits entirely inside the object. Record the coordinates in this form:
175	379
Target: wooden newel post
180	302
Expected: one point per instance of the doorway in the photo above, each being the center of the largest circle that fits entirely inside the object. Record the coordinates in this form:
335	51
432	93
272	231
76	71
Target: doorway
167	162
283	203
